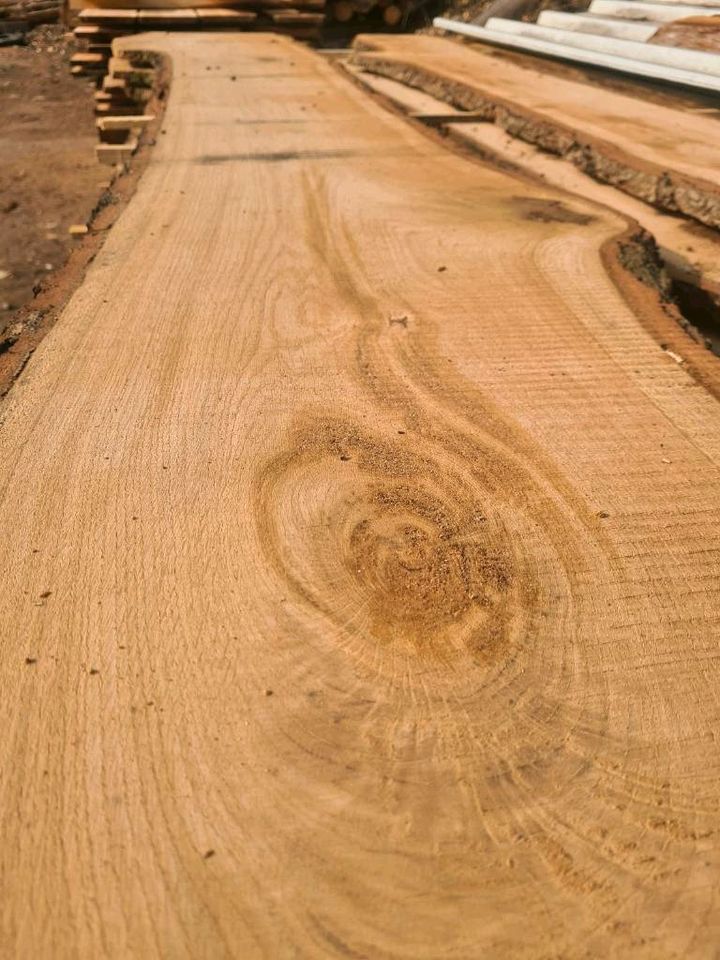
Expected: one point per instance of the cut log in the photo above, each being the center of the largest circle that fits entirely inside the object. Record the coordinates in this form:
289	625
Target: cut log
392	15
343	11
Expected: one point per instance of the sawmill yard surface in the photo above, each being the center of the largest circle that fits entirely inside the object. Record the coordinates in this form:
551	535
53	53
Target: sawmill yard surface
49	178
359	529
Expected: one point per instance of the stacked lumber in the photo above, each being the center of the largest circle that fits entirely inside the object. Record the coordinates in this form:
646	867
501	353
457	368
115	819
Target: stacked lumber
31	11
301	18
119	107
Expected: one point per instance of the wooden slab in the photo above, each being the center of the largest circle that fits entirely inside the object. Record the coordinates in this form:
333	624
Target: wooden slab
167	19
94	33
619	138
363	550
111	17
88	60
225	17
115	109
147	4
112	153
126	122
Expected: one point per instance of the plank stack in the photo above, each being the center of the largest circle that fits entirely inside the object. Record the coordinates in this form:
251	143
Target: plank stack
98	24
124	92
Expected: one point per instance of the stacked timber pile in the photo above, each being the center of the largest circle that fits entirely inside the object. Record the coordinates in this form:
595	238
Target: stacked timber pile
299	18
31	11
120	104
393	13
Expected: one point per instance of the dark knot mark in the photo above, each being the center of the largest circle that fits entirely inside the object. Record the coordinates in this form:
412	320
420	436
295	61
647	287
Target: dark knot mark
279	156
403	547
549	211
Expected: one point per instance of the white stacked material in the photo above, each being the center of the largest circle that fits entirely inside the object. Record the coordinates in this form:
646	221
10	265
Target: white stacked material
565	51
694	3
694	61
658	11
601	26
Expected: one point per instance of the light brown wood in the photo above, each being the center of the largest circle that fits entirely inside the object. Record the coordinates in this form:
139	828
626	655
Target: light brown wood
88	60
222	16
689	253
111	18
167	18
125	123
112	153
360	555
650	149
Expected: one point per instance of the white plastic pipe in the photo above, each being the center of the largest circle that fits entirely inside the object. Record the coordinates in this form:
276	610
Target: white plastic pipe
695	61
650	71
656	12
601	26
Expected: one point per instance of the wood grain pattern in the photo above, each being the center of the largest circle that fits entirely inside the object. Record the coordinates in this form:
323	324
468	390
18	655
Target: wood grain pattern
658	148
359	556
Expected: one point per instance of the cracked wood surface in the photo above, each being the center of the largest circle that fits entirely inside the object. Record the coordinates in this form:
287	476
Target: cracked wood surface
359	553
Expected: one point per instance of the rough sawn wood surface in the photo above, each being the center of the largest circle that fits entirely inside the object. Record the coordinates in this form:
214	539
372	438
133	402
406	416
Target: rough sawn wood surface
359	551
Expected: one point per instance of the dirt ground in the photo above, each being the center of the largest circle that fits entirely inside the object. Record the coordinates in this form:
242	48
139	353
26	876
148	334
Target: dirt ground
49	177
